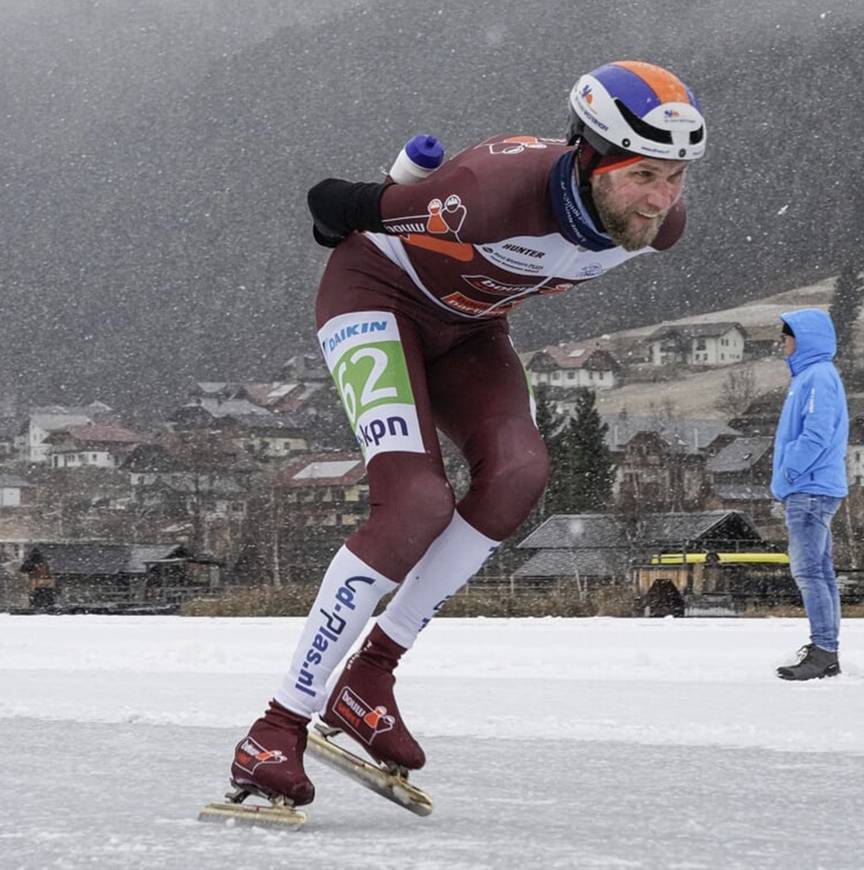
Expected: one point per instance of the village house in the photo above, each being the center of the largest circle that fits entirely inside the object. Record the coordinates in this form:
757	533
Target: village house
15	492
302	515
305	368
198	488
659	556
569	365
660	462
203	412
19	528
91	574
30	443
740	475
698	344
582	551
271	436
283	397
92	445
324	489
762	342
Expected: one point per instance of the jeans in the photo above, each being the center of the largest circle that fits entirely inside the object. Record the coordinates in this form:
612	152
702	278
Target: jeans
808	519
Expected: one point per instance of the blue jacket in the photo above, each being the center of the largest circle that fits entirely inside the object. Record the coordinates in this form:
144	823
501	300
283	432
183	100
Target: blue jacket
810	443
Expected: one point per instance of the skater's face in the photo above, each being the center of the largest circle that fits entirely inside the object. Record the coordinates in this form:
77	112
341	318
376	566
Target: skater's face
633	201
788	342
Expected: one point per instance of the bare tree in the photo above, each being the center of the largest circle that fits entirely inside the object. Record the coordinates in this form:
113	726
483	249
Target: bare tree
738	391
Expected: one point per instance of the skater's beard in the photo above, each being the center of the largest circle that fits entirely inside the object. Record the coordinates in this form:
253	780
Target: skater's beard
623	224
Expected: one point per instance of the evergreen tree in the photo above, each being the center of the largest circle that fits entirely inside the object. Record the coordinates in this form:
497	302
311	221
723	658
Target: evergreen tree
547	418
549	423
583	471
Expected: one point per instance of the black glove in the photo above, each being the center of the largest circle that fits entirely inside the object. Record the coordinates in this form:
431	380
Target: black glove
325	240
340	207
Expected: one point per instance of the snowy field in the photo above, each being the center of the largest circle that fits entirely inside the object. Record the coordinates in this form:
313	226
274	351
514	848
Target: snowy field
594	743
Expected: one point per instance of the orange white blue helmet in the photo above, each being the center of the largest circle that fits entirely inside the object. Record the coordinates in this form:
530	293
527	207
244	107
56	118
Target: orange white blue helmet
630	107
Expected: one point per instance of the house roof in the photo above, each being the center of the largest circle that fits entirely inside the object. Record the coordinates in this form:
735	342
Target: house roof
96	433
281	423
739	455
323	469
696	330
599	531
586	562
299	399
572	356
217	408
212	388
576	530
95	558
10	481
690	435
269	394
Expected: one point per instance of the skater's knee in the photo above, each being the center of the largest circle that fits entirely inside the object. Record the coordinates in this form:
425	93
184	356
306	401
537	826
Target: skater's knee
404	521
509	480
424	502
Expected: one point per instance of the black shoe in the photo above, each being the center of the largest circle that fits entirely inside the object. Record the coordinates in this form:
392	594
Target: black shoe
815	664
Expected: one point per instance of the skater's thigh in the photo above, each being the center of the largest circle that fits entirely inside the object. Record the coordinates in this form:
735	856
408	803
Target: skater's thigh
377	362
375	357
480	384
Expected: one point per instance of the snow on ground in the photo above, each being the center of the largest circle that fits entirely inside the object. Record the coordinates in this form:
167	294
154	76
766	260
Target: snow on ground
551	742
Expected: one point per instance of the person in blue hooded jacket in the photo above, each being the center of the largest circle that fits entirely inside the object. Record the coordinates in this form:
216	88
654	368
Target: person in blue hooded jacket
810	479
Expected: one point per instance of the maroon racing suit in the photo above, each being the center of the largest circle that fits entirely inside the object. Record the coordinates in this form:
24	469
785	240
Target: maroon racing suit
421	310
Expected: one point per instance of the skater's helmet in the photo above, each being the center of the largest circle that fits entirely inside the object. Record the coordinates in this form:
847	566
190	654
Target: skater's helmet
629	107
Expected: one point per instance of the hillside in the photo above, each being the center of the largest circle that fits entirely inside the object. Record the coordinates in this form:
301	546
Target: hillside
157	233
695	395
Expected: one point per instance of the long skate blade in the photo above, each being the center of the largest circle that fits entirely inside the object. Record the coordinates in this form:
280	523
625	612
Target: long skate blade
264	816
277	814
392	786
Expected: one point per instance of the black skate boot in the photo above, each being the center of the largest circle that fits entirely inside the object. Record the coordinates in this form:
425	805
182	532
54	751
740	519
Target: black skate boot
815	663
269	760
363	706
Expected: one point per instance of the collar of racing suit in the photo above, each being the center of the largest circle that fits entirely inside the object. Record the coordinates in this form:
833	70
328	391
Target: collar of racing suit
574	215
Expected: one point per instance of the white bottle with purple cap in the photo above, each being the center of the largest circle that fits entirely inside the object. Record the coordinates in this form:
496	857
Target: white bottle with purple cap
420	157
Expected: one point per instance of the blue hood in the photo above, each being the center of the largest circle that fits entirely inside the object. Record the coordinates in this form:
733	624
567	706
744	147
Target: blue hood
815	339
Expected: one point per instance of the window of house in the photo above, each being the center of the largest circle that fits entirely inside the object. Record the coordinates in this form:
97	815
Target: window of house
700	344
571	376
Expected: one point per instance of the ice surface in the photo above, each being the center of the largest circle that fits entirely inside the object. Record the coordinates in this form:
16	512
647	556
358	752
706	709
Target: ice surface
593	743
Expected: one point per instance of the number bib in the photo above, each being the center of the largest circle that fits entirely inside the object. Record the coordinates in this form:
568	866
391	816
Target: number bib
364	354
